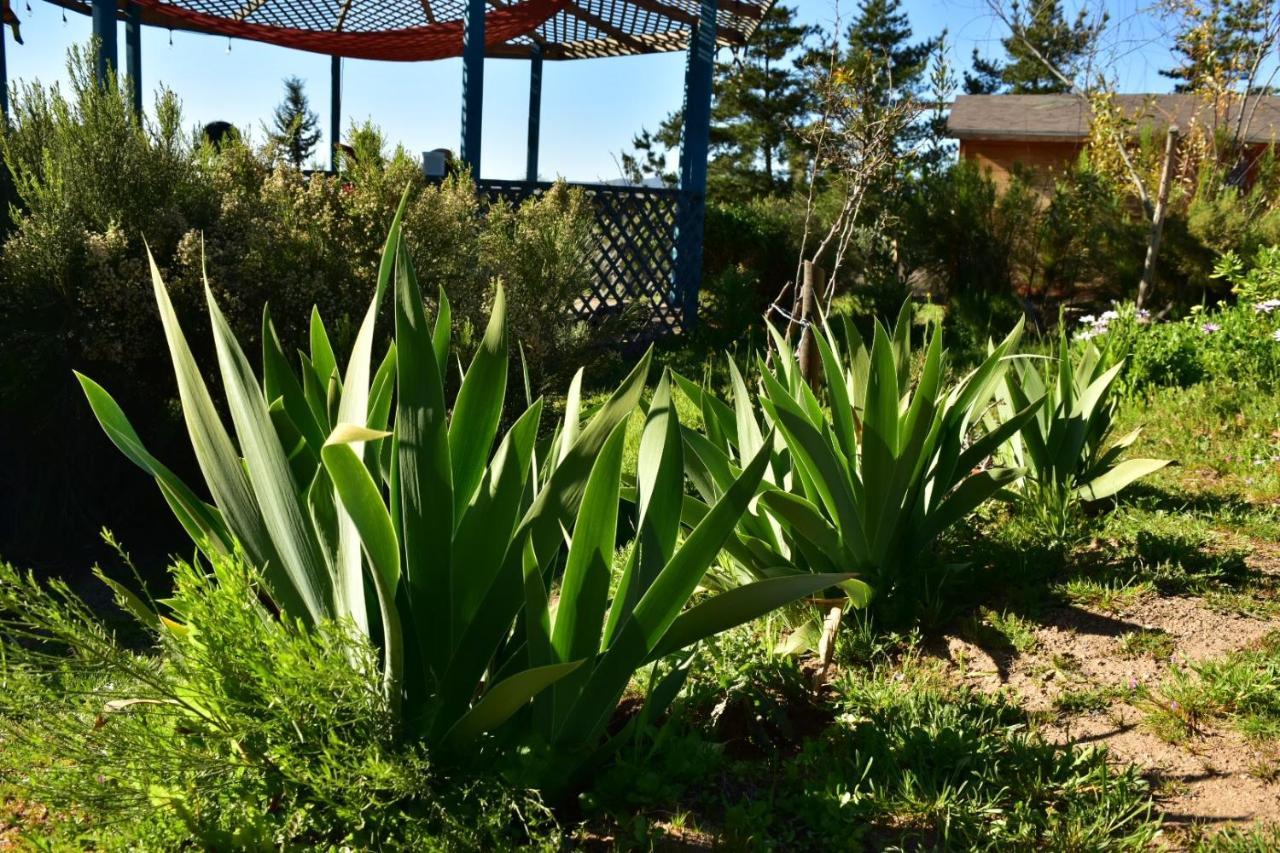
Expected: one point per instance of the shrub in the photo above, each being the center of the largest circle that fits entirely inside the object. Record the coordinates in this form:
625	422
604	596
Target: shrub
1256	283
92	183
231	728
1229	343
362	498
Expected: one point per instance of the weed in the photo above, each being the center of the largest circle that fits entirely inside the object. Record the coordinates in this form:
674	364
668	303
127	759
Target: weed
1106	595
1088	700
1147	643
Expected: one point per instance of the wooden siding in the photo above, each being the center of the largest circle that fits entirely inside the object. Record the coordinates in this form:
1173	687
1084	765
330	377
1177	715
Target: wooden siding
1045	158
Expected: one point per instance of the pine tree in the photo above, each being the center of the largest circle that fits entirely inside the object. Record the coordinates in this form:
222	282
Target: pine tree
1218	42
760	101
986	77
881	34
1041	39
296	128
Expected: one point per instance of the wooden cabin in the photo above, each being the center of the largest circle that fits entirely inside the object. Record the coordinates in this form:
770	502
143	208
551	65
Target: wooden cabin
1046	133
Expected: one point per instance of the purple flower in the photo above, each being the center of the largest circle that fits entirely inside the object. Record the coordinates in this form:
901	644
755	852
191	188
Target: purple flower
1266	306
1210	328
1133	684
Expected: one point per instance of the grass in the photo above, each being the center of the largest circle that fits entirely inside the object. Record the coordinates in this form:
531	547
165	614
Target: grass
1241	690
1147	643
887	755
895	751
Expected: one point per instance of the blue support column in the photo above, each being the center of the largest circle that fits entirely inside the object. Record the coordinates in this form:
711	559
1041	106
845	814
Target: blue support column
694	148
335	112
472	84
104	30
535	113
4	81
133	55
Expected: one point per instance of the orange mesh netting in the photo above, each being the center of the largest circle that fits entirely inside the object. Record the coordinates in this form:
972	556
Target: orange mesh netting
432	29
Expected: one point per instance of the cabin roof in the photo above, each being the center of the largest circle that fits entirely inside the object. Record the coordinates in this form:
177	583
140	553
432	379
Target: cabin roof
1067	117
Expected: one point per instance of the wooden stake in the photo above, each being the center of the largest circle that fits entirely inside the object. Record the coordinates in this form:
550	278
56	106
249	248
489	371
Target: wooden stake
1157	217
808	300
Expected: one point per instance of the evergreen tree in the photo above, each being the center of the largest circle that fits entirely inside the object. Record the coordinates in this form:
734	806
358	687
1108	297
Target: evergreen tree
881	34
1041	37
986	77
296	128
1218	42
760	102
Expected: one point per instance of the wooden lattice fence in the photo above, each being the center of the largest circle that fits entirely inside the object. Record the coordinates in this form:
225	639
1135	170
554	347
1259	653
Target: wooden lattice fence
636	259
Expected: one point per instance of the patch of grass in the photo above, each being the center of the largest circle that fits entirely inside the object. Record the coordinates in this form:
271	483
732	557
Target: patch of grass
1234	839
1147	643
1000	629
1109	595
891	755
1084	700
1241	689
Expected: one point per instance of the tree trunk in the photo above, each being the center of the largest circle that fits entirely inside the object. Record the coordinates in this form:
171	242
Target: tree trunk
1157	218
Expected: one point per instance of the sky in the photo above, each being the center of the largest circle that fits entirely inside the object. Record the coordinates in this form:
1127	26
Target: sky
590	108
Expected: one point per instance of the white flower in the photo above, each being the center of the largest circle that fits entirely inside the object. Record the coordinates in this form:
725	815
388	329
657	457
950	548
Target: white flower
1108	316
1275	336
1088	320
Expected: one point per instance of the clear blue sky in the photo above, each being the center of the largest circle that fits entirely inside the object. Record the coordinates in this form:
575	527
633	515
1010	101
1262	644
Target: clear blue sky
590	108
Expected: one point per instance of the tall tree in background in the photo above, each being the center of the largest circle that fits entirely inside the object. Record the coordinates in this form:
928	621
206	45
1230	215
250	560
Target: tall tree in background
296	129
761	102
1041	39
1222	45
881	34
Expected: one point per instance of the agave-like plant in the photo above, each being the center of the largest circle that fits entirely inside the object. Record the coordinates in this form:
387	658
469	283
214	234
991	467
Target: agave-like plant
1064	449
489	567
865	477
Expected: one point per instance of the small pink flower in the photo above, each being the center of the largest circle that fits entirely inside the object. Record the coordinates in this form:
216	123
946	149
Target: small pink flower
1210	328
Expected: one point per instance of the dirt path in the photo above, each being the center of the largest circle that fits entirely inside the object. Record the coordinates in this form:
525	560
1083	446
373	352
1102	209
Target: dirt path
1082	679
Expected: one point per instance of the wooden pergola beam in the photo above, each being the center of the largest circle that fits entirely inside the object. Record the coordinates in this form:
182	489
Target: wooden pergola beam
595	21
674	13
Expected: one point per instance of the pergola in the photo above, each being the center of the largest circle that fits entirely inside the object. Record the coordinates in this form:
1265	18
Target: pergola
650	239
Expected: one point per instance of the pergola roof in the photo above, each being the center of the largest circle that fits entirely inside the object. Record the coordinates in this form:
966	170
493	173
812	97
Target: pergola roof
432	29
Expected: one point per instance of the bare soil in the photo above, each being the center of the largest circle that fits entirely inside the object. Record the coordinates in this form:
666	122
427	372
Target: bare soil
1214	778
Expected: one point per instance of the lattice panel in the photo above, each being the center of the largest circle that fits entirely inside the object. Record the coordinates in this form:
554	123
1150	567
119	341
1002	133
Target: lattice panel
635	258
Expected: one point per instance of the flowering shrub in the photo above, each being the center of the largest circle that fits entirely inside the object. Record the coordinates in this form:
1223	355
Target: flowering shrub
1236	343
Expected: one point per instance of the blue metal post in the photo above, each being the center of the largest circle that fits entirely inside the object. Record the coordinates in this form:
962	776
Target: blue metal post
472	83
104	30
535	112
694	149
133	55
335	112
4	81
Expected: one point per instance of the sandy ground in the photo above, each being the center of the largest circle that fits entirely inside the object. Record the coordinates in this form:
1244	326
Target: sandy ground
1215	778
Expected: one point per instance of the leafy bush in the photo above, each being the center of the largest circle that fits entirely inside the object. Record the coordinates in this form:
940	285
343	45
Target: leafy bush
865	482
749	253
1256	283
363	499
1227	343
232	729
92	184
1064	449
